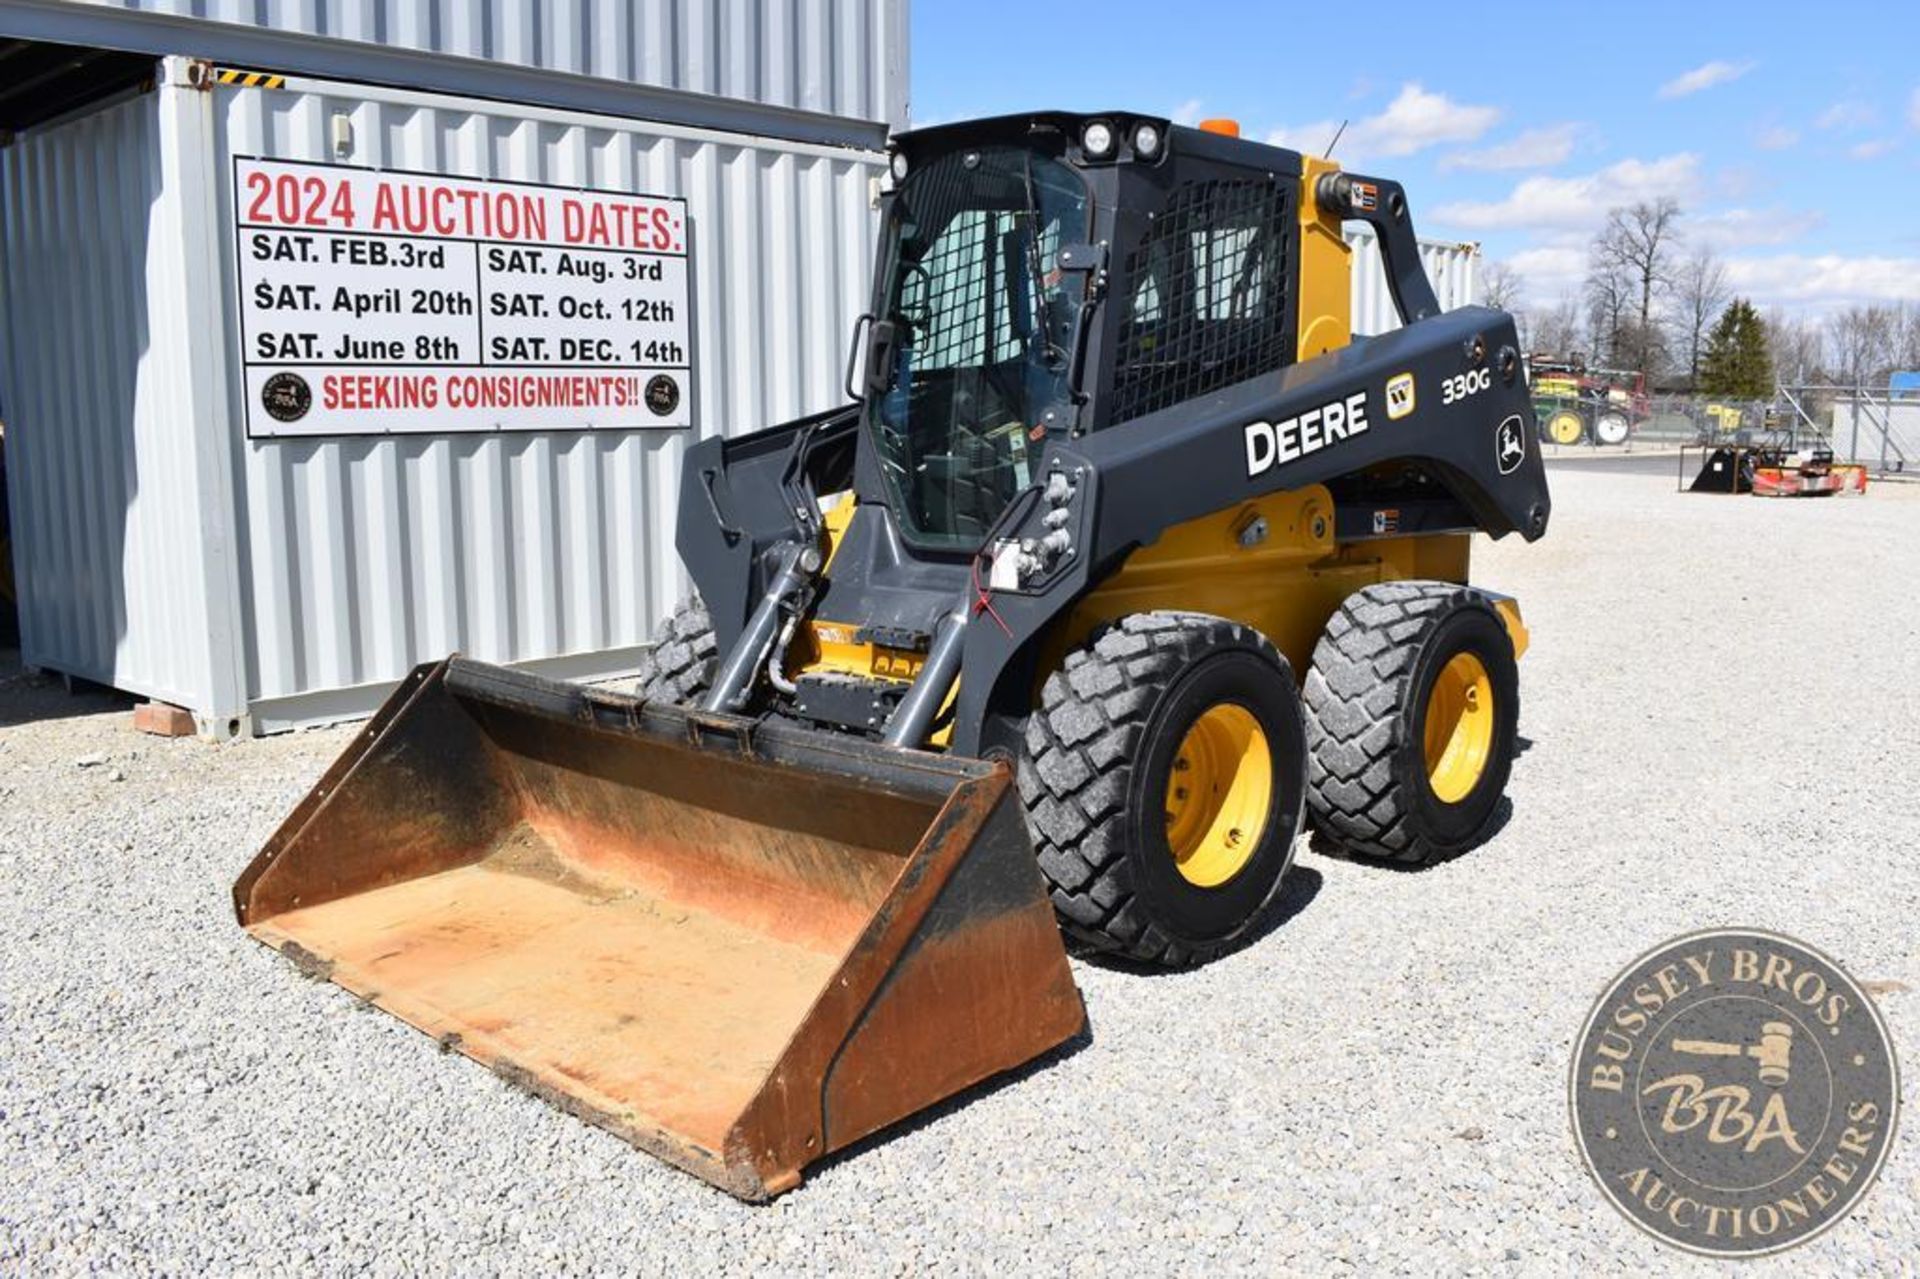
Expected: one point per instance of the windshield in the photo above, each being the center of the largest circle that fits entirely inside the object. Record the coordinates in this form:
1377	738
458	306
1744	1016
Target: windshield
985	322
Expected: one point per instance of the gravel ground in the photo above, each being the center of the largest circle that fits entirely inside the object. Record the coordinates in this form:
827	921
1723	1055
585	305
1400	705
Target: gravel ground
1721	729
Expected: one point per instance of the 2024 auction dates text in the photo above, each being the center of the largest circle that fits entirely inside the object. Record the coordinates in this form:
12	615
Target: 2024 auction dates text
308	348
598	267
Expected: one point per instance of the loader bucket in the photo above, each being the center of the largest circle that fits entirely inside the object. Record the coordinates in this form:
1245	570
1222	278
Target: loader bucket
740	947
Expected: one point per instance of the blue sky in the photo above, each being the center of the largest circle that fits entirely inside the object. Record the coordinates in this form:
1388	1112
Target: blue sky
1790	135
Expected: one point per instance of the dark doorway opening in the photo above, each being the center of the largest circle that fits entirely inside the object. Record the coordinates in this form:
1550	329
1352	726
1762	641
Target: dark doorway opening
41	81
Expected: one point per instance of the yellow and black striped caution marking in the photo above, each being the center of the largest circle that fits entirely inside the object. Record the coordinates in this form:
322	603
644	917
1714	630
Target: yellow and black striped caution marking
248	79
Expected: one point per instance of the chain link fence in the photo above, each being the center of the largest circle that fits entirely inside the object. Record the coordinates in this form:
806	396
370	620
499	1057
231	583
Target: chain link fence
1629	421
1871	428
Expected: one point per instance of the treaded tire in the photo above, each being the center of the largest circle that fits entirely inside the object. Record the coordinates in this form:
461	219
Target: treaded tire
1093	776
1366	699
679	667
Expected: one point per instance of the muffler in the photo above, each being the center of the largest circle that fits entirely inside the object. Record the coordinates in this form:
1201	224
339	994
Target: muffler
738	946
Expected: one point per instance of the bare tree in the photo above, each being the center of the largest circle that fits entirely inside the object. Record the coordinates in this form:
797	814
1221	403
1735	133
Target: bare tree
1501	286
1555	330
1609	293
1635	250
1700	293
1796	346
1862	340
1907	345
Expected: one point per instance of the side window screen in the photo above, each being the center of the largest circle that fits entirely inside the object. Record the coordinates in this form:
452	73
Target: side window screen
1209	304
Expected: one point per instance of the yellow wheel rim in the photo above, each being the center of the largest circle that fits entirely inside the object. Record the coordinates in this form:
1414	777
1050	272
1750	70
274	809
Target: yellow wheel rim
1459	735
1218	795
1564	427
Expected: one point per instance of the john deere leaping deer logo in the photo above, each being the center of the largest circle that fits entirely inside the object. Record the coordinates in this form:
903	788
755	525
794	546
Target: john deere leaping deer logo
1510	444
1734	1093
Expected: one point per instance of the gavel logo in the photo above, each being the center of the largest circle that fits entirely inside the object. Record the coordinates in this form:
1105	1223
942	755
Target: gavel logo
1774	1052
1734	1091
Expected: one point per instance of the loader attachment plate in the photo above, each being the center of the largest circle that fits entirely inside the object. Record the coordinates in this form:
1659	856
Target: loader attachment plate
738	946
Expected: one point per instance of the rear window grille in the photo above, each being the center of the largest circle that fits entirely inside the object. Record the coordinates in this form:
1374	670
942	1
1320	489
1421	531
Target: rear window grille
1209	304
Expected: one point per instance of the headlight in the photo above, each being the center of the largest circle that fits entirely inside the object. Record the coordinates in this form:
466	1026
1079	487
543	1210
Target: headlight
1097	140
1146	141
899	166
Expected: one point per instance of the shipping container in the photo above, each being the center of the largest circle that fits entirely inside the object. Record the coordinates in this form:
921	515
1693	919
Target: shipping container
1453	267
1879	431
535	546
169	548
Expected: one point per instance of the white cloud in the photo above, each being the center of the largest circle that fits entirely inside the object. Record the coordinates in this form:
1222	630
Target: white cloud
1825	280
1187	113
1311	138
1579	202
1531	149
1847	114
1551	269
1738	181
1913	109
1413	121
1745	228
1418	119
1871	149
1808	283
1704	76
1777	138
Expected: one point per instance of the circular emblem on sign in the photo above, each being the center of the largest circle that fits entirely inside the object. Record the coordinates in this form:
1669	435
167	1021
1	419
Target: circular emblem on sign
1734	1092
663	394
286	397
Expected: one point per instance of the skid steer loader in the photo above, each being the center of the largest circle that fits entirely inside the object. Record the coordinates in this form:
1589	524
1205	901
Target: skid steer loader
1125	561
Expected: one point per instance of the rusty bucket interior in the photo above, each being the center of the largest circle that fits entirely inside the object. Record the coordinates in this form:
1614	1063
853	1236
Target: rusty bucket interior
738	946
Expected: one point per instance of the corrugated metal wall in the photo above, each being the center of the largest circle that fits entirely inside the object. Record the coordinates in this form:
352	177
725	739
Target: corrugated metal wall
362	556
830	56
1882	433
1450	266
95	383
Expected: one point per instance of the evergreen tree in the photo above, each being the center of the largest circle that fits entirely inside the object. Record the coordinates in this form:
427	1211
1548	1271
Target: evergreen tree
1738	362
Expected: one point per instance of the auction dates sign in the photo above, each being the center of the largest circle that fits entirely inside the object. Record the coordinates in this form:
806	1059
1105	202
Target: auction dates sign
376	301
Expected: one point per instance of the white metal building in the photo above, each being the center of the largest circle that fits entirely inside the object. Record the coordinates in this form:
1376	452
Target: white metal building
168	547
1879	431
277	567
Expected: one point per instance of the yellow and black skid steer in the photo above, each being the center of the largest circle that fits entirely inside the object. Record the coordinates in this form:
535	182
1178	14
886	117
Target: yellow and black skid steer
1125	561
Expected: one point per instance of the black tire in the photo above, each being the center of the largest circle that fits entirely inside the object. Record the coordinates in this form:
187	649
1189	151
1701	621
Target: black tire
1367	698
679	667
1094	774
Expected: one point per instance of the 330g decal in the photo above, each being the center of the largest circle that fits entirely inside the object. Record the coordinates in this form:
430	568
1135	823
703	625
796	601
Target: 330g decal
1461	385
